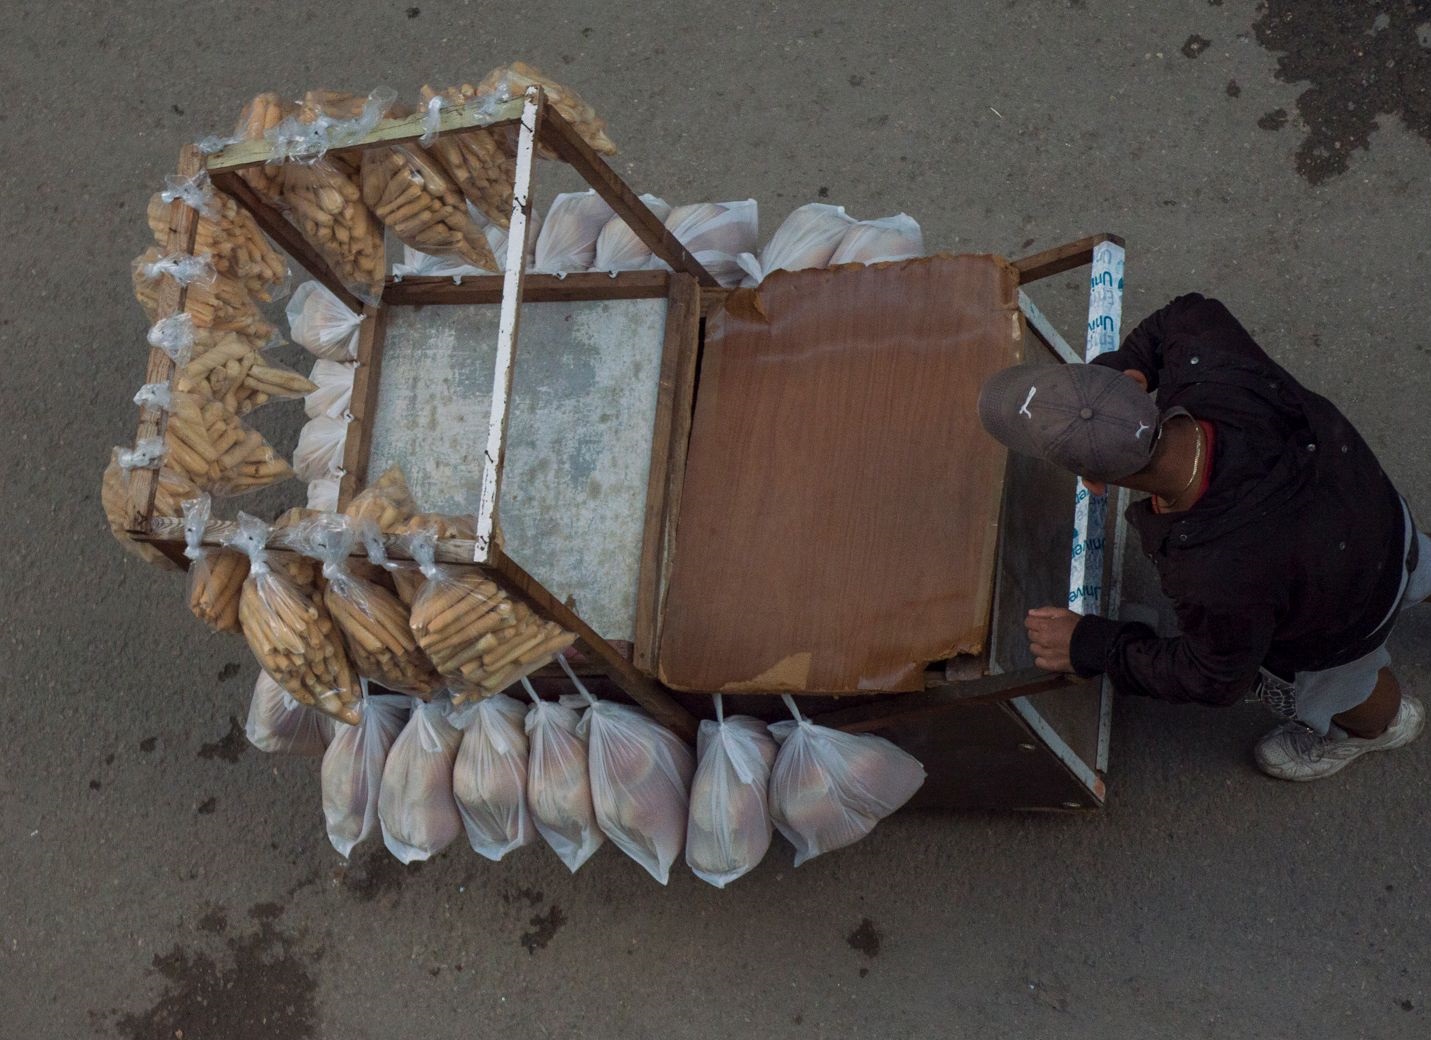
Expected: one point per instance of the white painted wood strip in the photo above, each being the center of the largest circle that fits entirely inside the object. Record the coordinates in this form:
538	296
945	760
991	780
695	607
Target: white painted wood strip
507	329
1060	748
1045	329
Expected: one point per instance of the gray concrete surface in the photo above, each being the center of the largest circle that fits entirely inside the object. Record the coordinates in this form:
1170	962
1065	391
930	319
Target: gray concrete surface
157	880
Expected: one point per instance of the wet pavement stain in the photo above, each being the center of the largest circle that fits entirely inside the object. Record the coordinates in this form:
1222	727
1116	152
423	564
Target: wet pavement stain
1233	90
258	988
147	744
1362	61
544	929
266	911
230	746
1195	45
1274	120
215	921
207	806
866	938
377	876
530	896
228	671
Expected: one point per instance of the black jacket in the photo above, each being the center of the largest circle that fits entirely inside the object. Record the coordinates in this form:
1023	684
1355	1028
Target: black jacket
1293	556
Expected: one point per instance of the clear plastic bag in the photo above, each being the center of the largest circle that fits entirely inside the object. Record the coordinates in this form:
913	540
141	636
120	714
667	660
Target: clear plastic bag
373	621
618	248
319	452
323	494
568	238
514	79
227	367
730	828
808	238
476	635
497	239
828	789
259	119
416	808
406	579
279	725
640	780
213	301
290	632
481	161
387	501
879	241
322	324
324	201
489	779
172	490
415	197
226	233
332	392
717	233
215	449
417	264
559	782
353	768
216	576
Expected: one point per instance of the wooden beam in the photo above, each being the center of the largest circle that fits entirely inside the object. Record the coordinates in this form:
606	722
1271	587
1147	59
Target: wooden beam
479	112
288	237
646	692
670	432
939	697
534	111
183	228
713	298
1060	258
536	288
358	444
562	138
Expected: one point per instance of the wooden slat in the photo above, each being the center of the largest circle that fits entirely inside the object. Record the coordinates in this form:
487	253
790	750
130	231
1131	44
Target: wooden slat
183	227
534	111
536	288
644	691
389	131
562	138
288	237
1060	258
940	696
358	445
670	432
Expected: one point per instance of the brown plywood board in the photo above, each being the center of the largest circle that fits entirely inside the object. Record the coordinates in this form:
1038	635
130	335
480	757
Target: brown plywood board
838	524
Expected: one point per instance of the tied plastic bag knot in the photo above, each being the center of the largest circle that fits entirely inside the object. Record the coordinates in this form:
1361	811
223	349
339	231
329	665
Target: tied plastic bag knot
322	324
183	268
197	511
422	547
174	335
432	120
251	539
196	192
146	454
154	395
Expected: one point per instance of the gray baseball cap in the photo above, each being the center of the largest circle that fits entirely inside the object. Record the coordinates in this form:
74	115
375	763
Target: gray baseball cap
1089	419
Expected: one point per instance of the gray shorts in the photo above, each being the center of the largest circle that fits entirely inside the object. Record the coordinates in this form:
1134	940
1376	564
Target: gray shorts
1312	698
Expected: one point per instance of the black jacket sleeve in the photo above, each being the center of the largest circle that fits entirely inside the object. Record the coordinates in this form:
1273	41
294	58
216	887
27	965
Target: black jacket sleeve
1214	662
1142	349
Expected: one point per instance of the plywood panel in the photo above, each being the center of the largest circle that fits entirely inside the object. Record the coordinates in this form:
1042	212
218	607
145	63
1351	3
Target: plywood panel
837	528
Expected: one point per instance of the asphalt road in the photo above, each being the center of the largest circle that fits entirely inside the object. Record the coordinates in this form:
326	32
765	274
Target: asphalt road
161	881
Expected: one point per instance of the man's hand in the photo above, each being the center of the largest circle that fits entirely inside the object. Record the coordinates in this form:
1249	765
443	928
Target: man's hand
1050	630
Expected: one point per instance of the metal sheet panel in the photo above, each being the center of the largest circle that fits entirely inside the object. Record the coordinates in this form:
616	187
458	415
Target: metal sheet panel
584	394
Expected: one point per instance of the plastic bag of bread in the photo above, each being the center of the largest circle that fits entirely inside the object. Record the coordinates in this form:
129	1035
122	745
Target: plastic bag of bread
226	233
290	632
568	238
259	119
323	495
216	576
215	449
559	782
227	367
213	301
353	768
332	392
411	193
482	161
387	502
729	829
878	241
716	233
319	452
171	490
404	576
477	636
808	238
489	779
497	238
618	248
373	621
279	725
514	79
322	324
416	809
828	789
640	780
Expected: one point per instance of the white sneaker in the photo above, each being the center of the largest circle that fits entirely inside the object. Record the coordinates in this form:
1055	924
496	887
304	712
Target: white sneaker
1293	752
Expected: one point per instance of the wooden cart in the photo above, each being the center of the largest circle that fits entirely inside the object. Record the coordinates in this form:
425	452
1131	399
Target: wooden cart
612	523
